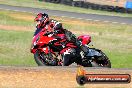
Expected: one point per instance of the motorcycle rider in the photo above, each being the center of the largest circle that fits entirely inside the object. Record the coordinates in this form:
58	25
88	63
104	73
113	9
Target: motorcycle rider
43	21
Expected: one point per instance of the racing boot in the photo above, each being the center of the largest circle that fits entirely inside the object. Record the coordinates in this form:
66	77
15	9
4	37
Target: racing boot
84	48
69	56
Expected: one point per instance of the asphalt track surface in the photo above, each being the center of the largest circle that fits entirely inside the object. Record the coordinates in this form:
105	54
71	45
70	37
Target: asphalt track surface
93	17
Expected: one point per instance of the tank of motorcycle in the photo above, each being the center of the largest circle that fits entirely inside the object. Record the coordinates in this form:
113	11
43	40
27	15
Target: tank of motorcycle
45	40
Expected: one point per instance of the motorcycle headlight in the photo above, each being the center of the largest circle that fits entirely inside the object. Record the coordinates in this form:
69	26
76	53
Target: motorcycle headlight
34	44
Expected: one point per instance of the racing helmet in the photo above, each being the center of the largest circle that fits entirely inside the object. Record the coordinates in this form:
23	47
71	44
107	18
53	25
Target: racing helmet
41	19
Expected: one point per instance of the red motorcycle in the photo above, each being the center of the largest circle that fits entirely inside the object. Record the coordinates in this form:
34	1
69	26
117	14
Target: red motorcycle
47	50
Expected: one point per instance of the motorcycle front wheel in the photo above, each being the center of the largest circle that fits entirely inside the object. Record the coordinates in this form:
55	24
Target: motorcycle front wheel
42	59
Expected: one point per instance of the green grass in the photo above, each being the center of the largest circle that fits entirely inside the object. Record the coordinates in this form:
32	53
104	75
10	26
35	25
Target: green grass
114	40
8	19
45	5
120	59
15	45
15	48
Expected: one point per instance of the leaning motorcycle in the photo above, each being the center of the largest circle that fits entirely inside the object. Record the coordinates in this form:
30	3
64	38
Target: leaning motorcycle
47	51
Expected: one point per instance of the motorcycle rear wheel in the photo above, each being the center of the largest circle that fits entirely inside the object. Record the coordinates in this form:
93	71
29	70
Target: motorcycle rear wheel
102	61
97	61
107	60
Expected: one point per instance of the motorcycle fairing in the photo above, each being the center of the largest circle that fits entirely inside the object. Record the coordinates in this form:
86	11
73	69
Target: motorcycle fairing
92	52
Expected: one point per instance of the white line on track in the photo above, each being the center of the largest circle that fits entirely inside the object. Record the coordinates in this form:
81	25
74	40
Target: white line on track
106	21
88	19
16	10
123	23
96	20
115	22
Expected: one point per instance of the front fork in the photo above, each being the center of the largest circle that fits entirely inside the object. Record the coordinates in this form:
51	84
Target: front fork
52	56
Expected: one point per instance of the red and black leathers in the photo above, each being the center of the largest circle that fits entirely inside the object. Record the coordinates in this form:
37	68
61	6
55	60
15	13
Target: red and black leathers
55	25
